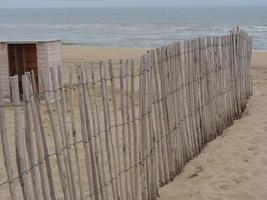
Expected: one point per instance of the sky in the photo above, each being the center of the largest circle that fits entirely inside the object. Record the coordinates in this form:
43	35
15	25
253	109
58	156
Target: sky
126	3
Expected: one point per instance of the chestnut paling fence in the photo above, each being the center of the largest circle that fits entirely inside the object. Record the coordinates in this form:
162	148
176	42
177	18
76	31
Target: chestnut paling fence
121	130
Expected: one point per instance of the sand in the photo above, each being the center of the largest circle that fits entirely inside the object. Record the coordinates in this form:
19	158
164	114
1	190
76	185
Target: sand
234	166
73	53
231	167
76	55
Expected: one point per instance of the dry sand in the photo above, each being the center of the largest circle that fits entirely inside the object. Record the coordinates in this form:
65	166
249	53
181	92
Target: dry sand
234	166
73	53
77	55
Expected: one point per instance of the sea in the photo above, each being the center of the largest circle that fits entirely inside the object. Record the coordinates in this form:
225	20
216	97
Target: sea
131	27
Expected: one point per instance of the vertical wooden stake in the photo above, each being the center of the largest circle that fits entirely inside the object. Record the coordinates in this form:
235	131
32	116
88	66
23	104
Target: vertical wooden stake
20	148
5	148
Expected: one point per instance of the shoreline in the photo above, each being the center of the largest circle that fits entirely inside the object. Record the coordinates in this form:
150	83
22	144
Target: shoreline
91	53
76	45
256	50
88	53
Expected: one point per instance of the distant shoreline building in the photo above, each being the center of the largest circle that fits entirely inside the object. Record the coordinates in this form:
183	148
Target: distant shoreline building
19	57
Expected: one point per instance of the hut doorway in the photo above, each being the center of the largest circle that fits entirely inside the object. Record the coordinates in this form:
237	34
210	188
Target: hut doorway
22	58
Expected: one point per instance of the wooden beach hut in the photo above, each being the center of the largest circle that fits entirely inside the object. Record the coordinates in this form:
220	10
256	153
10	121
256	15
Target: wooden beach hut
16	58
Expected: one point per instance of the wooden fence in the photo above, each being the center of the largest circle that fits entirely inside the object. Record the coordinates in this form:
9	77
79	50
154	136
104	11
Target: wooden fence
121	130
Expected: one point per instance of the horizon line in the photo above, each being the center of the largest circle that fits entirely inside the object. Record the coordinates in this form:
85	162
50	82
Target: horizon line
145	6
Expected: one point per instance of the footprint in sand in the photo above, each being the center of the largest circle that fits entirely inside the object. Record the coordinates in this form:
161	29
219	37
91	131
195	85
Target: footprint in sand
226	187
219	186
246	114
211	160
199	169
241	179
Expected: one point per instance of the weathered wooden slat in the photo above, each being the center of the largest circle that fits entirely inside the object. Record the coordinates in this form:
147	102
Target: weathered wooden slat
135	133
108	138
40	128
84	133
43	175
20	145
60	110
35	154
56	134
97	167
100	140
124	128
117	138
74	132
5	148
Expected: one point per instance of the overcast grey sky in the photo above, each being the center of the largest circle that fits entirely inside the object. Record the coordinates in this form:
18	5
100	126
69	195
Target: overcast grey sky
115	3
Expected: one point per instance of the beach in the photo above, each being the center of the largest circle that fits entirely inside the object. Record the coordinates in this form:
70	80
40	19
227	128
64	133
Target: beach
72	56
80	54
233	166
133	100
